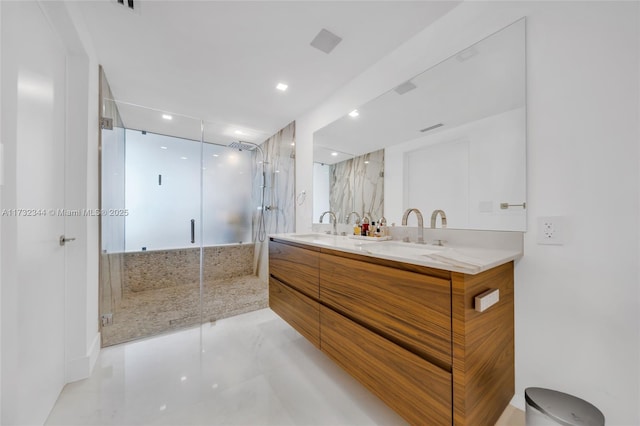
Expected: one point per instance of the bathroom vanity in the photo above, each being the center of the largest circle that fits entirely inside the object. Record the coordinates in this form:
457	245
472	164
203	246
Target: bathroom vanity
401	323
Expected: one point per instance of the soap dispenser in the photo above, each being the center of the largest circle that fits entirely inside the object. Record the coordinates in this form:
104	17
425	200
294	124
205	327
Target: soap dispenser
357	230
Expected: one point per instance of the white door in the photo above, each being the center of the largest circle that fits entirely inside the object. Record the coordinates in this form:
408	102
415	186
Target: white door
33	284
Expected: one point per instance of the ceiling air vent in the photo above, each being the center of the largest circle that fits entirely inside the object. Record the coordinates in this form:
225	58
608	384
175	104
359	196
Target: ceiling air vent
128	3
435	126
325	41
405	87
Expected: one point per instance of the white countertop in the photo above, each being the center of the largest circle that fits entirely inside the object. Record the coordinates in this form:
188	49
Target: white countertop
468	260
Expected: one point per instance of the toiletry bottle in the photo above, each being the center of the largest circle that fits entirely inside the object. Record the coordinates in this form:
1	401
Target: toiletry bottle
365	227
372	229
384	231
356	229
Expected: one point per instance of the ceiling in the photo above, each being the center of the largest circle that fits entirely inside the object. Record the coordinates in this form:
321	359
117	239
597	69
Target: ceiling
221	60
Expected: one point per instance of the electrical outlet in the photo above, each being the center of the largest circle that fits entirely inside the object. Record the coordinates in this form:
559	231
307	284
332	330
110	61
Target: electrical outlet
551	230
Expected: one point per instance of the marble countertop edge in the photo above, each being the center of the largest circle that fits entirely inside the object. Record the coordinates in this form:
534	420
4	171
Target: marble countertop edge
412	253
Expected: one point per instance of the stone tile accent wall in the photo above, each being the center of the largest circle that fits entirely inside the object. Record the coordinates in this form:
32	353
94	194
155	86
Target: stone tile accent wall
279	192
148	270
160	289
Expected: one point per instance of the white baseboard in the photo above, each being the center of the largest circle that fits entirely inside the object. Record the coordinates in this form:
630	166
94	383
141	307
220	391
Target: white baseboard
94	351
518	402
81	368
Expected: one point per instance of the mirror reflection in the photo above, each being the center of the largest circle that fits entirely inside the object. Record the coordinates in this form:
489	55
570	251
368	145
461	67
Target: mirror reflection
348	184
451	138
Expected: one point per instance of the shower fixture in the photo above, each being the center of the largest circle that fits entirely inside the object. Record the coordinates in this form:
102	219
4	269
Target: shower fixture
250	146
244	146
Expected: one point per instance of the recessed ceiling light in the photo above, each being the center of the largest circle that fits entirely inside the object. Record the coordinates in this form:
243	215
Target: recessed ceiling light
282	86
366	162
293	144
163	147
335	154
167	116
215	155
183	158
239	132
354	113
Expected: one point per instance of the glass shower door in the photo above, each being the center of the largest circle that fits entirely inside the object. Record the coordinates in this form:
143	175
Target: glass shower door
229	284
151	251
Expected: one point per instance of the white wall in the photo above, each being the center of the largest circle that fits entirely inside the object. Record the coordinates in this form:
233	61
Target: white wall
1	190
577	324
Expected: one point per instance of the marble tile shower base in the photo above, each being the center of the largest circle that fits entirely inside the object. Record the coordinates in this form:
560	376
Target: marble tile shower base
155	311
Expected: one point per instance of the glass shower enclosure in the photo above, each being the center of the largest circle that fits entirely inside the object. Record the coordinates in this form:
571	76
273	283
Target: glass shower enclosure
177	228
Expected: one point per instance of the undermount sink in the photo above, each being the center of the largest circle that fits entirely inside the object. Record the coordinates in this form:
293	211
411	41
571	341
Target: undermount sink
402	249
311	236
315	238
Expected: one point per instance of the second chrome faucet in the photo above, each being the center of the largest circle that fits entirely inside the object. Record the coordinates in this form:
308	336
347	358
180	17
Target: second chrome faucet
434	216
332	215
405	218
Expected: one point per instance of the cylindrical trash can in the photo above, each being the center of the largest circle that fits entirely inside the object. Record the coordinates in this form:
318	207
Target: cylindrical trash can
546	407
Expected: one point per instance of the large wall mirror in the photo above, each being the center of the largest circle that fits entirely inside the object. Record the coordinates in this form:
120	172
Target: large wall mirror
451	138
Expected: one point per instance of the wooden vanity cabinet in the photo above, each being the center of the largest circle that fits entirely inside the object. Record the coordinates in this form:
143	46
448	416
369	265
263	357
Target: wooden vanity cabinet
409	333
296	266
416	389
483	347
294	287
409	309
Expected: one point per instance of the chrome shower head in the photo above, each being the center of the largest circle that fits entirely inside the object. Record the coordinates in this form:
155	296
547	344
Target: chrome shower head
248	146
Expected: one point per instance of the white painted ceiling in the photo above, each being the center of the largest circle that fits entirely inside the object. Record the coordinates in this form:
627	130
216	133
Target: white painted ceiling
221	60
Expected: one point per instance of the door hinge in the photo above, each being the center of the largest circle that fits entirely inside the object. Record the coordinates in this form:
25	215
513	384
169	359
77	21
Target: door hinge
106	319
106	123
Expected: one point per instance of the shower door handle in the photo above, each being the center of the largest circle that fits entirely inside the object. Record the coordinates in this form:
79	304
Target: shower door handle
193	231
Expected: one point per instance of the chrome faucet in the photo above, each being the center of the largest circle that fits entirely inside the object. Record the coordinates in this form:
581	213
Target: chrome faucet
332	215
358	218
405	216
435	214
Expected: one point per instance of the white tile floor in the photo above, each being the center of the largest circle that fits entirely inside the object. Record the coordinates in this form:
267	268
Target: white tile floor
253	369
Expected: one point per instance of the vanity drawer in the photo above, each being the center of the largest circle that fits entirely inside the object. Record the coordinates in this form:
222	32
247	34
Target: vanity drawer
416	389
301	312
295	266
412	310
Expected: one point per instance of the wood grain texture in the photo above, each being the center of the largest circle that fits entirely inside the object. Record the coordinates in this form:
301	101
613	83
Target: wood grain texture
439	273
300	311
483	347
295	266
417	390
412	310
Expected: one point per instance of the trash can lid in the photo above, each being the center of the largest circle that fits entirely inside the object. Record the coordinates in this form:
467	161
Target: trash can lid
565	409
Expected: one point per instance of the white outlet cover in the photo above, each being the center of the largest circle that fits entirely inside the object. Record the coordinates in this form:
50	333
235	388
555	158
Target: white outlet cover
551	230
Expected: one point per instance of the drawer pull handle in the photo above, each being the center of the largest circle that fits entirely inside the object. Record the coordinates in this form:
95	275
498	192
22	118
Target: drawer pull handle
485	300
